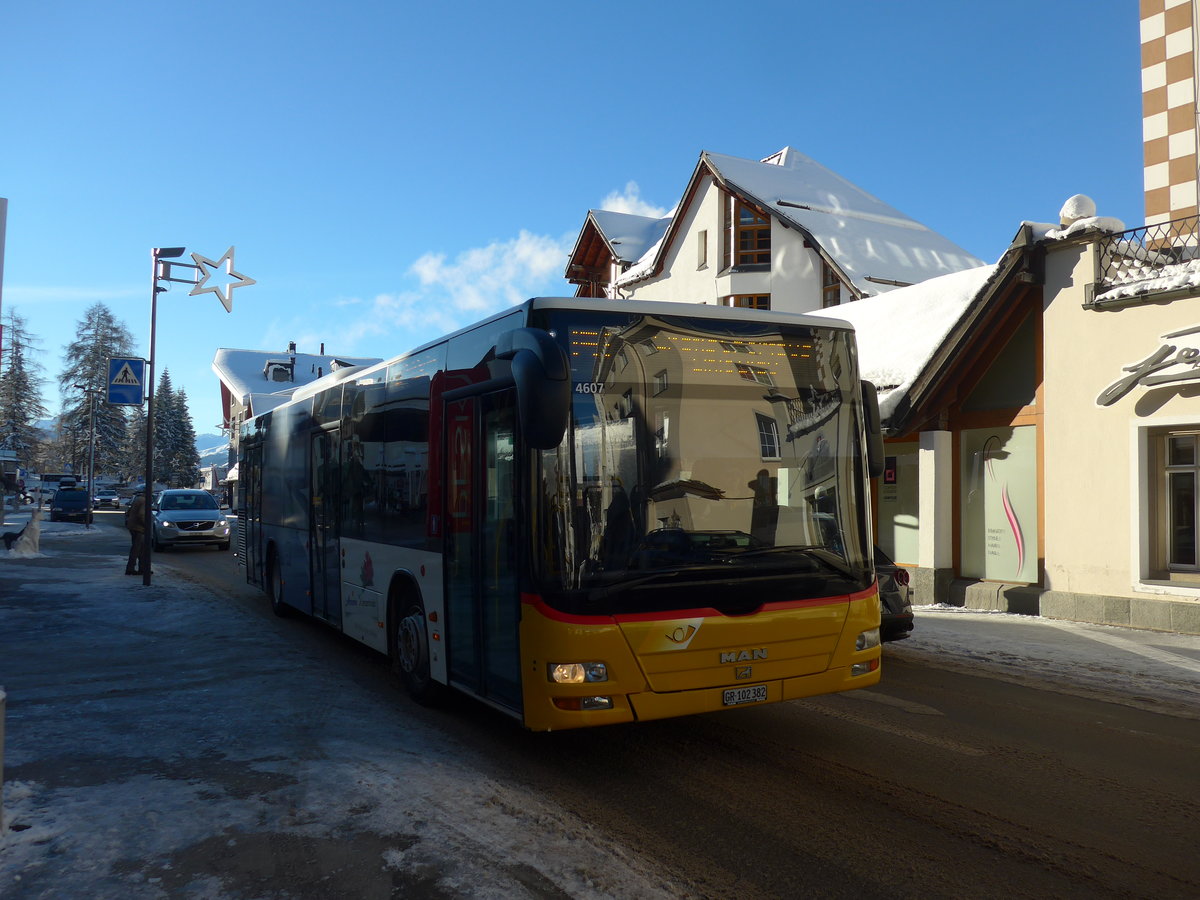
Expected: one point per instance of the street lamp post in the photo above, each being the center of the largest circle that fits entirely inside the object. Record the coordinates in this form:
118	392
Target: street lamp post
161	266
163	260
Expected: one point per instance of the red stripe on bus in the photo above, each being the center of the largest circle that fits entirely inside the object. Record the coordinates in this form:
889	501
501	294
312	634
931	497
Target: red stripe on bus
549	612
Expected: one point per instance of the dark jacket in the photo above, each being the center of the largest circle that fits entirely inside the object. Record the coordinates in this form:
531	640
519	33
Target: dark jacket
135	516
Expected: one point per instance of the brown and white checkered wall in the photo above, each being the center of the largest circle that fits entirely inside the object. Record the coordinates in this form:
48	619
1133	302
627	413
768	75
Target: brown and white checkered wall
1169	126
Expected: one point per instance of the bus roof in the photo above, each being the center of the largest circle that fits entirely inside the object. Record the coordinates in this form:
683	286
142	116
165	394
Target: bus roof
590	304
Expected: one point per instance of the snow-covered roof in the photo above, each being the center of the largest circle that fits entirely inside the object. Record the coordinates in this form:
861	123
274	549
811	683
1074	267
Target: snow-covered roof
629	236
871	242
248	372
899	332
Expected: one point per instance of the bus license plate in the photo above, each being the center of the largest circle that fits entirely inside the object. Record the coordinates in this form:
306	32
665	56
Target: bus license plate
753	693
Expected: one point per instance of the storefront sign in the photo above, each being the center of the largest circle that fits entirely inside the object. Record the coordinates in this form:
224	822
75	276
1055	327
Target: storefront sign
1183	363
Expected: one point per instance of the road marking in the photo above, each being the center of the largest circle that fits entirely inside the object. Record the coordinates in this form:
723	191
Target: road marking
1162	656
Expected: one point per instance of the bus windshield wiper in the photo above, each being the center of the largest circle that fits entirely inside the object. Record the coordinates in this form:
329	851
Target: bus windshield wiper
608	590
821	554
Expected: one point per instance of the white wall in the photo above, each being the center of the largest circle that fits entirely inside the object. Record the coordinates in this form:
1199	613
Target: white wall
1096	519
794	280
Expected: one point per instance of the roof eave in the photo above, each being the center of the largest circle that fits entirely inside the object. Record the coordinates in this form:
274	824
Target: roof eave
1019	265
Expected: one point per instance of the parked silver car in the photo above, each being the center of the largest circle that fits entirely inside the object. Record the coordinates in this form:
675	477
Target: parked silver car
895	596
183	516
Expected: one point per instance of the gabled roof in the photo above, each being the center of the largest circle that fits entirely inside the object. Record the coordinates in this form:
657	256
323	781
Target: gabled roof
873	245
608	235
629	236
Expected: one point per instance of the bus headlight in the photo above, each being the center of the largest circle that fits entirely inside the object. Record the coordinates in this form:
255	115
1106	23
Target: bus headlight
867	640
577	673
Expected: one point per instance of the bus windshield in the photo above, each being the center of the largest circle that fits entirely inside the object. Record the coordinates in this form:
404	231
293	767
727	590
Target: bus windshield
708	464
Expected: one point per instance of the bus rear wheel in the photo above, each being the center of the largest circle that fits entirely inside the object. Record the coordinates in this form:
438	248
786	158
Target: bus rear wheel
275	587
409	648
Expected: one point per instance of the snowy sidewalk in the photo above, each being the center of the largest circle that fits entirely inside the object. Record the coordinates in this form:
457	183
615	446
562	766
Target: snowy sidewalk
162	741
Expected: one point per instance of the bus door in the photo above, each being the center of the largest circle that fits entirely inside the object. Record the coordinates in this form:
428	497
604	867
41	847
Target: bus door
482	600
248	503
325	567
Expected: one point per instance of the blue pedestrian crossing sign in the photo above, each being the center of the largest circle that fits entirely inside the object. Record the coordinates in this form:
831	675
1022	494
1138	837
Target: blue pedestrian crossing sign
126	381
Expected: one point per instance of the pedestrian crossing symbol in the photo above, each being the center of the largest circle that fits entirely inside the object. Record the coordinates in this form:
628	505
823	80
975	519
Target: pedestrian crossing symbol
126	381
126	378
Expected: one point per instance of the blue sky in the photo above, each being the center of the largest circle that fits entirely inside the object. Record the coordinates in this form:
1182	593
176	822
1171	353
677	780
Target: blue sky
388	171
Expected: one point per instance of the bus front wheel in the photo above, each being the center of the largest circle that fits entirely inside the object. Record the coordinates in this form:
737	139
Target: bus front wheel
410	651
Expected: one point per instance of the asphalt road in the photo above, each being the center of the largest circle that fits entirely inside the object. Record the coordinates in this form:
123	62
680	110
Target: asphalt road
938	783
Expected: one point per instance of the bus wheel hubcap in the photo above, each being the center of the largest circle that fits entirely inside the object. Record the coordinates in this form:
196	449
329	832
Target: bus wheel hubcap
411	643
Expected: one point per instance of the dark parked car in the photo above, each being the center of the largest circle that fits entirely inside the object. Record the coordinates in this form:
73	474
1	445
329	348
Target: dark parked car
69	505
185	516
896	598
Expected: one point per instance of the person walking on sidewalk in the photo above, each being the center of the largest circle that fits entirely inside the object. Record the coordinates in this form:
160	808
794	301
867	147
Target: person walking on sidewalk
135	521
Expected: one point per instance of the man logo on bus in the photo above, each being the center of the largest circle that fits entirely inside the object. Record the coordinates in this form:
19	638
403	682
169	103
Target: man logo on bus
736	656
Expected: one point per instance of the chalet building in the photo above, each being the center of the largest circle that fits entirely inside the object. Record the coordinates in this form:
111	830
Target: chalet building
783	233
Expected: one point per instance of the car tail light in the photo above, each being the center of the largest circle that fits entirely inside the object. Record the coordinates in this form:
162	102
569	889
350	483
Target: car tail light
901	576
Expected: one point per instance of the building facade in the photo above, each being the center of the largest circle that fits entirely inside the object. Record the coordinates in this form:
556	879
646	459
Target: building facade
1045	456
1169	122
782	233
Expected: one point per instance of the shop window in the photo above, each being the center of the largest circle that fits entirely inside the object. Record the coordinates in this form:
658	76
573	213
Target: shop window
1178	478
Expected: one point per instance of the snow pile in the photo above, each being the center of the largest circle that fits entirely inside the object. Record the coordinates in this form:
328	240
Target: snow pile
1094	223
26	545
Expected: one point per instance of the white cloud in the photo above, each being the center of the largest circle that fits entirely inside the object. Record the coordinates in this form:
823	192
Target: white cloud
484	279
450	293
631	202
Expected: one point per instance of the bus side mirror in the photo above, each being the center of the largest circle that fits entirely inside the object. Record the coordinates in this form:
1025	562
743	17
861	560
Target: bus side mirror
875	460
542	374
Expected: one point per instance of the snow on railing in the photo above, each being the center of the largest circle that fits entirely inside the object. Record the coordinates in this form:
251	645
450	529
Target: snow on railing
1148	253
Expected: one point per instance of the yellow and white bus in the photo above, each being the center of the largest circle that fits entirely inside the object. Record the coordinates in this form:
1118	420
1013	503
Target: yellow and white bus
584	512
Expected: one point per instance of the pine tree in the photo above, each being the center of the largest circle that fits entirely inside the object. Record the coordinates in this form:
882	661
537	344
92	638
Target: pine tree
21	394
187	458
99	336
165	430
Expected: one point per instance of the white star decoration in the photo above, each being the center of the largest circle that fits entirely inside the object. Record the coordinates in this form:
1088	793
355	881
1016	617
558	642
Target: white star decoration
225	290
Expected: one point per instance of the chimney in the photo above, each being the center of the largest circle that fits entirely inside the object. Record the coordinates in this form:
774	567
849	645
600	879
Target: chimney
322	348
